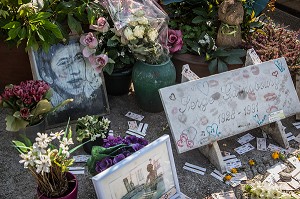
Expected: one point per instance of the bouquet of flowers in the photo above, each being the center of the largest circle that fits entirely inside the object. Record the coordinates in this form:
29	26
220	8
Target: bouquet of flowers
91	127
104	48
47	162
143	27
29	102
113	151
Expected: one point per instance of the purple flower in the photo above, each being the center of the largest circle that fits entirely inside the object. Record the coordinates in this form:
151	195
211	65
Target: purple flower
98	61
25	113
118	158
8	92
126	153
136	146
131	139
102	25
142	141
27	99
175	42
112	141
104	164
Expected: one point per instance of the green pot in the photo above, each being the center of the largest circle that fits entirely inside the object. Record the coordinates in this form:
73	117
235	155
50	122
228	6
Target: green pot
148	79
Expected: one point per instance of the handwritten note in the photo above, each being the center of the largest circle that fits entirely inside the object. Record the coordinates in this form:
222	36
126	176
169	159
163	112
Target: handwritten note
219	106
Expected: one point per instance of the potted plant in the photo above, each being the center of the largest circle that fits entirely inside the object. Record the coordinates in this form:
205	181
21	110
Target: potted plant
93	128
143	27
49	163
198	22
114	150
29	104
116	59
35	24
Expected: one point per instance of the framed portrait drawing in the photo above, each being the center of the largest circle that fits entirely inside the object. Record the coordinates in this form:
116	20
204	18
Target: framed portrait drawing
70	75
148	173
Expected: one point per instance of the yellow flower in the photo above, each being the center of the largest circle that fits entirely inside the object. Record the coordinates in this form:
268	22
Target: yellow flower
227	177
251	162
275	155
233	170
298	156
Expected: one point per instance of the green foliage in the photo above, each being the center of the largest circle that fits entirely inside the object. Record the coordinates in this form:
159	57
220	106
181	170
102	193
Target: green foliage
44	22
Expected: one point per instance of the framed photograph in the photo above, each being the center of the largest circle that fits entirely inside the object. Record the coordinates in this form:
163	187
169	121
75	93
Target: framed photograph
70	75
148	173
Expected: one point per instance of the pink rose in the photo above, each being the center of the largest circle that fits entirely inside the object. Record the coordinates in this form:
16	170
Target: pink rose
90	42
24	112
175	42
98	61
102	25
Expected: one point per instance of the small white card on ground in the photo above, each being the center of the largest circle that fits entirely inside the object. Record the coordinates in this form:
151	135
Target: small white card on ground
289	136
76	170
297	138
233	163
134	116
276	116
81	158
137	134
244	148
142	128
245	139
261	144
194	168
132	125
188	74
297	125
224	195
273	148
216	174
294	161
276	168
272	178
239	176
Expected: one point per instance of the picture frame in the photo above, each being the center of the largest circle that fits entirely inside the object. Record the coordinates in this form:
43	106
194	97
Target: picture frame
70	75
133	177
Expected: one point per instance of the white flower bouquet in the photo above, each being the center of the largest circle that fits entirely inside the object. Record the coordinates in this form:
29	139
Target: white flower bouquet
142	25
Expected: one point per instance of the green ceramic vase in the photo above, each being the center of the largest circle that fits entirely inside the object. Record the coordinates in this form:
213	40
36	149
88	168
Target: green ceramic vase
148	79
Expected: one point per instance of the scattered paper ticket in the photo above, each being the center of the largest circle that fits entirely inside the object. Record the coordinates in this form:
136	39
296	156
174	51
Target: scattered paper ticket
194	168
289	136
277	168
76	170
134	116
132	125
297	138
217	174
224	195
245	139
142	128
188	74
294	161
273	148
244	148
81	158
276	116
135	133
297	125
272	178
261	144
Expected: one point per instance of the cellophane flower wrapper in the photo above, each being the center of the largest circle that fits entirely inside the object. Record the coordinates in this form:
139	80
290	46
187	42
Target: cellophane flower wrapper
143	26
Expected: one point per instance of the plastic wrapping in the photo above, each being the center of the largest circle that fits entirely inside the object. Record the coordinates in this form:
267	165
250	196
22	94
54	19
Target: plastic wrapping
143	26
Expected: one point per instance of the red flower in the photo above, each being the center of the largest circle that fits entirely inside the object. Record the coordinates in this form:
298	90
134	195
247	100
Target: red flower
8	92
25	113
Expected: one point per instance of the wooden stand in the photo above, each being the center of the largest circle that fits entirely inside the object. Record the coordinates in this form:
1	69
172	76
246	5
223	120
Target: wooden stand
277	132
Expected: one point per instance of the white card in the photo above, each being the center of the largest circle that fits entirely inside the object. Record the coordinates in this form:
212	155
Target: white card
81	158
216	174
132	125
277	168
294	161
296	123
224	195
285	186
135	134
293	183
261	144
111	132
233	163
188	74
193	170
273	148
245	139
272	178
134	116
297	138
276	116
195	167
239	176
227	157
296	174
76	168
75	172
244	148
289	136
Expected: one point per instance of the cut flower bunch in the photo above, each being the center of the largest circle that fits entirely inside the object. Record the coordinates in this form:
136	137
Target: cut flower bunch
29	103
113	151
48	163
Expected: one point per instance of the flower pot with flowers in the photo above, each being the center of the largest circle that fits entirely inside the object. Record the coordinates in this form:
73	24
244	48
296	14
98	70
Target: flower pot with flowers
92	128
143	27
29	104
49	163
113	151
107	51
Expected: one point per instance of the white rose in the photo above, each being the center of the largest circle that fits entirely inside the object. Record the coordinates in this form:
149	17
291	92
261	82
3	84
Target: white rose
139	31
133	23
128	34
152	34
143	20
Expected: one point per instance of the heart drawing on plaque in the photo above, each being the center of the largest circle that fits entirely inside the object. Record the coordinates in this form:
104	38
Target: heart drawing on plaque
275	73
203	87
172	97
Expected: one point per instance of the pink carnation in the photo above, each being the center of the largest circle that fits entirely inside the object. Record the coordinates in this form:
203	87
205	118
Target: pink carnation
102	25
175	42
98	61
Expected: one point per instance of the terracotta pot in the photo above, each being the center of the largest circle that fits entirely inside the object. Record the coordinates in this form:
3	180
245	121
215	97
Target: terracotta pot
71	192
15	66
197	65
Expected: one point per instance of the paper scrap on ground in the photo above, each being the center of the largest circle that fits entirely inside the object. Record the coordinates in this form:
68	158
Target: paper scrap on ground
245	139
194	168
224	195
132	125
261	144
294	183
111	132
130	132
276	168
272	178
233	163
273	148
228	157
244	148
285	186
239	176
142	128
188	74
216	174
276	116
289	136
81	158
297	125
294	161
134	116
297	138
76	170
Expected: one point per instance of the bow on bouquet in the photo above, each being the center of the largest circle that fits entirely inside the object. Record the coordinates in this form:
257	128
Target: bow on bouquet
113	151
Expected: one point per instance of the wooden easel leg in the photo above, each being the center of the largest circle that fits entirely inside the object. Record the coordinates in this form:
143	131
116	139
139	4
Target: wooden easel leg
277	131
213	153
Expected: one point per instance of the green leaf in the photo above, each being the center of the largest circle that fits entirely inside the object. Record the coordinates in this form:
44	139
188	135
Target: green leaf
112	43
53	28
200	11
213	66
74	25
39	16
20	145
125	59
65	7
91	15
198	19
22	33
222	67
233	60
15	124
13	24
237	52
221	53
27	141
109	68
13	33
